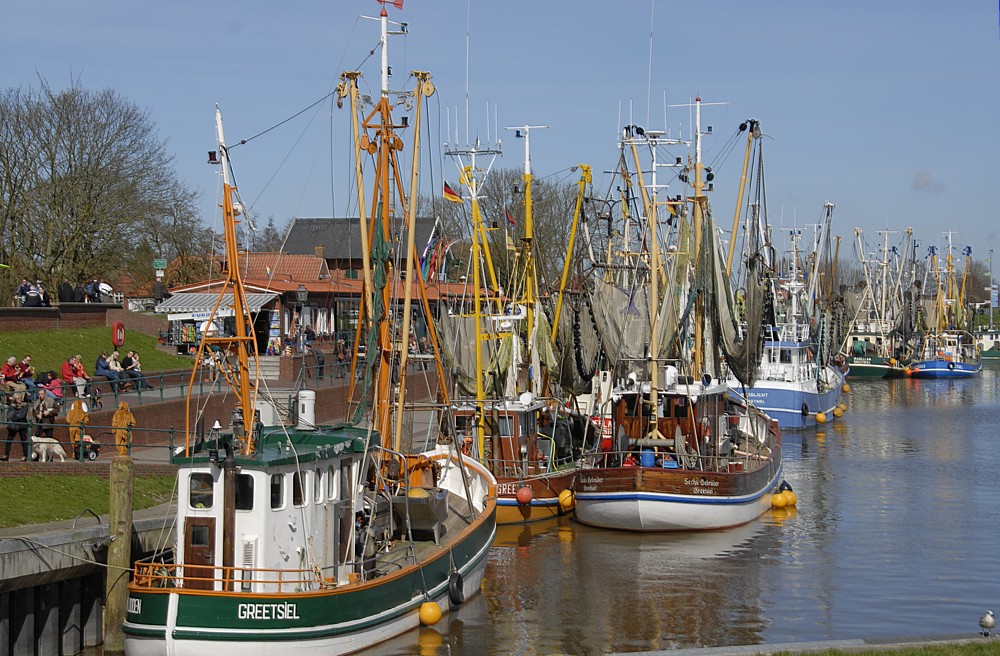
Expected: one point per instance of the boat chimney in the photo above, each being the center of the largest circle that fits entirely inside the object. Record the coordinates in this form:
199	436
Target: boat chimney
307	410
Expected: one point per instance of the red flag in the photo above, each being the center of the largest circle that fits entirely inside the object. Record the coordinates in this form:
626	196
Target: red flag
510	219
449	193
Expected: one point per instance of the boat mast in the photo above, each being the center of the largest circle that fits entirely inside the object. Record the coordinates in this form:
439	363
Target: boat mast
243	345
699	199
528	255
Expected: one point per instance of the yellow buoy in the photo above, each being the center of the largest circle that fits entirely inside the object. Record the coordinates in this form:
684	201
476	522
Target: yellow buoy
846	388
429	640
566	500
790	498
837	412
820	417
778	500
430	613
843	407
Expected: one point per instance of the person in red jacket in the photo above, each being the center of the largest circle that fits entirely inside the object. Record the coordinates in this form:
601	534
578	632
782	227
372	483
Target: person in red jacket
73	373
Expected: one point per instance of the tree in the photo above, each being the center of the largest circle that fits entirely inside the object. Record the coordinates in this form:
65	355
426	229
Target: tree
87	187
503	192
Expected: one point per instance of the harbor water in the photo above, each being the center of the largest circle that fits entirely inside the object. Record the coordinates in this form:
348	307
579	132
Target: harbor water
895	535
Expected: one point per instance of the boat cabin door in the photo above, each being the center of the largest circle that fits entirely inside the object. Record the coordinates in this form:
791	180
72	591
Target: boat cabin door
199	553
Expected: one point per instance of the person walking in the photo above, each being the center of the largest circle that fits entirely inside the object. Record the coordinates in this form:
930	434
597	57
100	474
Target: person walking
76	419
123	422
46	408
17	426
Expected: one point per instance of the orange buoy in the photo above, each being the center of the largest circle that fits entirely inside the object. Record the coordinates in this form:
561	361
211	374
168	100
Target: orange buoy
524	495
790	498
779	500
820	417
430	613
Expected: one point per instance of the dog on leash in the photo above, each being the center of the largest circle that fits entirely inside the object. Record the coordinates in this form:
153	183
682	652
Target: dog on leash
45	449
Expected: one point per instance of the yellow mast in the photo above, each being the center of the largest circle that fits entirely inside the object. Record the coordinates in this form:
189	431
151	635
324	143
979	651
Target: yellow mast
752	133
424	87
585	179
244	343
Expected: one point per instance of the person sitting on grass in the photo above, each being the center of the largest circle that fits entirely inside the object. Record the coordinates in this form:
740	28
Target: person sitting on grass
103	368
73	373
133	369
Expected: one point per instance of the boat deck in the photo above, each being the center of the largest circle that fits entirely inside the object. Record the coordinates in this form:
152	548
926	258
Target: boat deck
427	532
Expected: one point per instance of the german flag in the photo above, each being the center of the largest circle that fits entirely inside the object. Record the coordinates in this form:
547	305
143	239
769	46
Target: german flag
449	193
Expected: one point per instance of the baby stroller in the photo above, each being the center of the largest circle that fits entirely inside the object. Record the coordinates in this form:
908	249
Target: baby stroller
87	449
95	398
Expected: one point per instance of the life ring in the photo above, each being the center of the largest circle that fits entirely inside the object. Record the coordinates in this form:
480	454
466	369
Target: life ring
456	588
951	365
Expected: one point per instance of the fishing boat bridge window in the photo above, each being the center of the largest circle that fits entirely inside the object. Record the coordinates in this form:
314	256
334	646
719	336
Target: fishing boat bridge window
277	491
786	355
300	489
331	483
201	490
244	492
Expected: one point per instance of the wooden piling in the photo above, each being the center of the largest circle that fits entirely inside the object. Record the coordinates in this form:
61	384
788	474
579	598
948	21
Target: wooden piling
119	552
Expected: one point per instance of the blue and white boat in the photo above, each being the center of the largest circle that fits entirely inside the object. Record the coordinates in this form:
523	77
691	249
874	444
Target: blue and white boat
947	351
951	354
792	386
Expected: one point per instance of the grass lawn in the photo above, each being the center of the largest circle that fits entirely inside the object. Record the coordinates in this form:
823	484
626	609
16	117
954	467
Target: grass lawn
50	348
37	499
987	647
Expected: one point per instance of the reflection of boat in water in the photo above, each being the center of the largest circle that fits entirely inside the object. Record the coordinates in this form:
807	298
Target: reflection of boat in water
664	547
521	535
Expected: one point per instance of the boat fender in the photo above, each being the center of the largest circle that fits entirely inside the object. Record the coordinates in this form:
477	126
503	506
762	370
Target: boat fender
805	409
951	365
456	588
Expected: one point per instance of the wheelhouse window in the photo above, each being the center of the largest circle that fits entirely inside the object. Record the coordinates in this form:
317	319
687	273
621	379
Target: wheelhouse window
318	478
277	491
244	492
298	489
201	490
331	483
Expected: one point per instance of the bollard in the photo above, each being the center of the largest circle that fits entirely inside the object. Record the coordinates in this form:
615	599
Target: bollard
119	552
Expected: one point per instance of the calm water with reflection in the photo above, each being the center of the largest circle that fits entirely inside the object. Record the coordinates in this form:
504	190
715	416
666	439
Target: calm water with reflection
895	534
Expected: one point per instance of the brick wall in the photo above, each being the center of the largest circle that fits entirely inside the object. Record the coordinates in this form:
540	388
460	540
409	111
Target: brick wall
100	468
78	315
154	422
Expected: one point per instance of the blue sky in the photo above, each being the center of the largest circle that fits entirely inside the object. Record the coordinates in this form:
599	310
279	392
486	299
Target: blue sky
886	107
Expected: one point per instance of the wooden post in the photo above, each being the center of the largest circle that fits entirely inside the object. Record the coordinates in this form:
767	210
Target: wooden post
119	552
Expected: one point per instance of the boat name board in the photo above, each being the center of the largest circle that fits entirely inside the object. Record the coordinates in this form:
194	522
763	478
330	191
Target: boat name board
283	611
590	483
508	488
696	485
134	606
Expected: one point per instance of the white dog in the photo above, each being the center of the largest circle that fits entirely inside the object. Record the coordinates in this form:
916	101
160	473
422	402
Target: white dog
46	449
